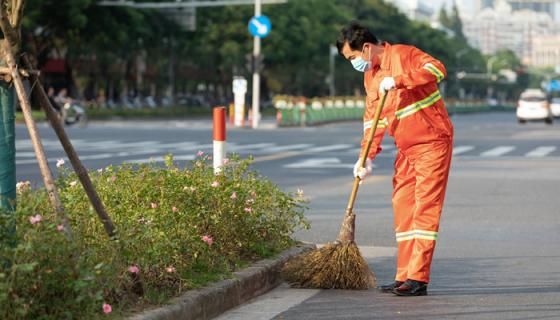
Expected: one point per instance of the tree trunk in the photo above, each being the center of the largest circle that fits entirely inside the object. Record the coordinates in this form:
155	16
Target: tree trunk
7	157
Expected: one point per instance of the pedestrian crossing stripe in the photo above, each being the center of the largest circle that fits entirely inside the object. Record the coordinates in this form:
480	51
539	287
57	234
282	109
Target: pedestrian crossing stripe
497	151
541	152
143	151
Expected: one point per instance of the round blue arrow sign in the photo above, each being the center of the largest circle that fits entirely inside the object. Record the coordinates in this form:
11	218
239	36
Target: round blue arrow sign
259	26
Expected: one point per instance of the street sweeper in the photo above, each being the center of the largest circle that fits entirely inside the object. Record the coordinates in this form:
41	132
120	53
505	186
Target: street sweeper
415	115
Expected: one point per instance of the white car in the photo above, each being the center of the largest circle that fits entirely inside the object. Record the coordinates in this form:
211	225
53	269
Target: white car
533	105
555	107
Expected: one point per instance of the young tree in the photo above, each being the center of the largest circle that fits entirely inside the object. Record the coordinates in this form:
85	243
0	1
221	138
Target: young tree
11	13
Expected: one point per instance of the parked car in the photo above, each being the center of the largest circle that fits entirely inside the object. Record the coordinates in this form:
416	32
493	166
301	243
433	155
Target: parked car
533	105
555	107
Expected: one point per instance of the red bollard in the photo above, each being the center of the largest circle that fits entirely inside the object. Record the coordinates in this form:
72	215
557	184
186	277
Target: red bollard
278	117
219	137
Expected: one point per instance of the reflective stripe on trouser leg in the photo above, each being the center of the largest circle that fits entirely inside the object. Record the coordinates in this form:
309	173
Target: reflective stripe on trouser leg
431	165
404	182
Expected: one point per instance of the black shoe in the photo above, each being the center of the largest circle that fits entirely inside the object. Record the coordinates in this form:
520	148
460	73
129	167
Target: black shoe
390	287
411	288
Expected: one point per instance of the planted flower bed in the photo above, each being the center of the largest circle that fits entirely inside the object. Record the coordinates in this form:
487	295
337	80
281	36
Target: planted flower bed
177	229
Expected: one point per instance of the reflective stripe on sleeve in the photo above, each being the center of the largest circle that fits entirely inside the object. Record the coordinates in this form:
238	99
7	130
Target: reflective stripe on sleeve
419	105
435	71
383	123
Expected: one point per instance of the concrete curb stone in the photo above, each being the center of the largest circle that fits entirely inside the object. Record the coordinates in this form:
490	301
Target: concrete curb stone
211	301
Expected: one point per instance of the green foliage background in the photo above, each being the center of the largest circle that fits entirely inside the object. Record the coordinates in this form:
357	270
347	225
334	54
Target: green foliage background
295	54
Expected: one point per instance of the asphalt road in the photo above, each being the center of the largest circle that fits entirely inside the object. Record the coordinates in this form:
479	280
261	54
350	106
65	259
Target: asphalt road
498	253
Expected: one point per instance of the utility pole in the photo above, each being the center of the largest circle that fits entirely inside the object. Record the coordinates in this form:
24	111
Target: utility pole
256	74
332	54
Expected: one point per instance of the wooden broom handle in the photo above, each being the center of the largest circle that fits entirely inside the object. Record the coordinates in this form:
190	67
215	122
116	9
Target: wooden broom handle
357	180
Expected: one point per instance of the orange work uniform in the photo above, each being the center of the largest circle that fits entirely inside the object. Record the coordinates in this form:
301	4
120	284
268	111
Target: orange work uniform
416	117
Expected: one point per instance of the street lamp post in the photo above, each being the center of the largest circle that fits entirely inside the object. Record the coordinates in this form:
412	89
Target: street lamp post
489	64
458	56
332	54
256	67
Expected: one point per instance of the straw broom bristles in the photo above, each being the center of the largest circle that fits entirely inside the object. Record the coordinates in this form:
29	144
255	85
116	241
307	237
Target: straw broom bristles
337	265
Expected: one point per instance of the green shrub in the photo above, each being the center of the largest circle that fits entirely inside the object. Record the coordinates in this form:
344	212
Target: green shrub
177	230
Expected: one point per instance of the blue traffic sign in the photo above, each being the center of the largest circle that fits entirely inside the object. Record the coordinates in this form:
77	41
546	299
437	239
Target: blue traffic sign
554	85
259	26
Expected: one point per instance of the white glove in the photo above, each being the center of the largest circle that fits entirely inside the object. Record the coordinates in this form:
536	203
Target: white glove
388	83
362	172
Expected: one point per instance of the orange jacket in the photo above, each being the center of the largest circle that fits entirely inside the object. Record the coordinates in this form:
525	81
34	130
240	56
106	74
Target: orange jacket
414	112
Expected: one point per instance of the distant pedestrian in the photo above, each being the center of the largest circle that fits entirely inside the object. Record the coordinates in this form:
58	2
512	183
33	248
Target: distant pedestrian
416	117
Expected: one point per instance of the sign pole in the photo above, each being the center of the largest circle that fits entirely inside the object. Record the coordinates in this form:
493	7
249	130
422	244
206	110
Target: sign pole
256	75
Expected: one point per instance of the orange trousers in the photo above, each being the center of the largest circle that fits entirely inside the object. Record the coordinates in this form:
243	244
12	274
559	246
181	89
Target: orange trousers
419	184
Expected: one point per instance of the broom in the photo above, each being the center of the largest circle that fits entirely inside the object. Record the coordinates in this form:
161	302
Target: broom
337	265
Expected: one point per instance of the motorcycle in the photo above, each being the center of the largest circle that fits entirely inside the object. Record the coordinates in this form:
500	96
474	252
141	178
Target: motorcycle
72	113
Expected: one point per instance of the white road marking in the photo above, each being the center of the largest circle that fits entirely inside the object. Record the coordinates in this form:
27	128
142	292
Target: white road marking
25	154
541	152
331	148
497	151
287	148
270	304
235	147
462	149
319	163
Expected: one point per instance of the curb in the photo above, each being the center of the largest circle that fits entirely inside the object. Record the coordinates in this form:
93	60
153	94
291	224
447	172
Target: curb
211	301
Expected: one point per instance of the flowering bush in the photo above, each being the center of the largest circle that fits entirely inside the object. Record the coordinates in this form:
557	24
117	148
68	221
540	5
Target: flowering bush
177	230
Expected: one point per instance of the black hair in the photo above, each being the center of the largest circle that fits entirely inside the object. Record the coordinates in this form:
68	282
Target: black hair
356	35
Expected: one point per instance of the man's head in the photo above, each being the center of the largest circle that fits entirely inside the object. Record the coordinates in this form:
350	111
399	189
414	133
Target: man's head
357	44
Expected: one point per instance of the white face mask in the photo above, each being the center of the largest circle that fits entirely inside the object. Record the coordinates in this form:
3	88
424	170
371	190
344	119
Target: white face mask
360	64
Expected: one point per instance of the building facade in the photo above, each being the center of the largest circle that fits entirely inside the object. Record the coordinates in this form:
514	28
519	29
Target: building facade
544	6
546	51
414	9
502	27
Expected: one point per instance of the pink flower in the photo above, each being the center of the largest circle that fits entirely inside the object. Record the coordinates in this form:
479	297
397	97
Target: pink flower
170	269
22	186
199	153
209	157
215	184
59	227
154	205
36	219
233	195
112	179
208	240
59	163
226	161
107	308
253	194
174	209
133	269
248	209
